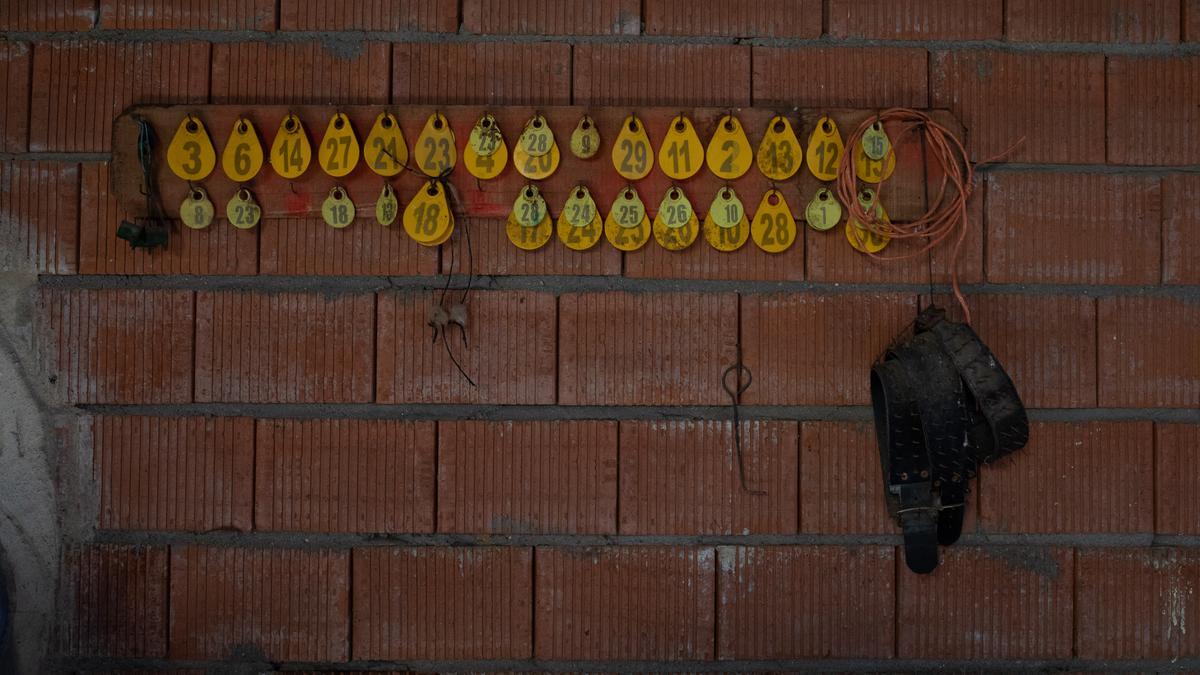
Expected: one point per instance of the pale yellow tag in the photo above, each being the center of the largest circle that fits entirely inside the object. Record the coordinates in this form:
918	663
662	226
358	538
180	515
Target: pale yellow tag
339	151
675	224
529	226
579	224
779	153
585	140
385	150
725	226
823	212
873	170
729	154
190	154
824	150
486	153
291	153
427	218
387	206
242	211
627	227
875	141
537	138
774	228
435	151
536	167
681	154
337	209
632	155
860	236
243	155
197	210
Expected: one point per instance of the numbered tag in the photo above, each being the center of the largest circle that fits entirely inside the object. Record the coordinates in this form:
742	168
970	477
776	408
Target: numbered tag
825	148
537	138
243	155
339	150
191	155
486	153
861	236
533	167
427	218
337	209
387	207
823	212
627	227
681	154
386	153
875	141
529	226
729	154
631	154
197	210
291	153
675	224
725	226
774	228
585	140
242	211
436	154
579	224
779	153
873	170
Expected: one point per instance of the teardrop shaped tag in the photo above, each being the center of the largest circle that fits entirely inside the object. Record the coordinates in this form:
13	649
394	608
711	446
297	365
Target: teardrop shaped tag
387	206
537	138
337	209
385	150
873	170
725	226
779	153
774	228
197	210
191	155
242	211
675	224
436	154
534	167
729	154
681	154
339	151
585	140
529	226
627	227
427	218
242	158
825	148
291	153
875	141
824	212
632	155
579	224
486	154
862	237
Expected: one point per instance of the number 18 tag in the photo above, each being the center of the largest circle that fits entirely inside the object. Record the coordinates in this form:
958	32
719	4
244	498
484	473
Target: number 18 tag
427	218
291	153
338	210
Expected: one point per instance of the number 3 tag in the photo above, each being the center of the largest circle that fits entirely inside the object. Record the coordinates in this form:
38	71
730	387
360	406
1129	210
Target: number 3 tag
243	156
339	149
191	155
291	153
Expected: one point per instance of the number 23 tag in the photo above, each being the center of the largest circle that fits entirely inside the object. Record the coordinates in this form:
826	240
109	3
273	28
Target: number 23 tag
435	147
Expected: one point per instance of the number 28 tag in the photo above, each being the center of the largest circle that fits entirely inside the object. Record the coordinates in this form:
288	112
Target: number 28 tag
529	226
774	228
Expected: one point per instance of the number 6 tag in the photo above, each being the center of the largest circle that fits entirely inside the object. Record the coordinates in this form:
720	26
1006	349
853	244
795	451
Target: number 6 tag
243	155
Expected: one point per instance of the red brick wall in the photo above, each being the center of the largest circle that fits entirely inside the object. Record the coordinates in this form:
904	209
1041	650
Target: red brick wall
287	470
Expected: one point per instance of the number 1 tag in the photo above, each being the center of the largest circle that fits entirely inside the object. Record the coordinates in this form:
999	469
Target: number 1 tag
529	226
427	218
823	212
386	152
725	226
435	149
579	224
675	224
626	226
242	211
339	149
338	210
824	150
729	154
632	155
779	153
774	228
291	153
191	155
243	155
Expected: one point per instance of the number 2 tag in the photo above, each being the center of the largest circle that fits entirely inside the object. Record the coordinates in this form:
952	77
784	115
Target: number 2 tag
242	211
435	149
291	153
626	226
427	218
632	155
824	150
243	155
339	151
725	226
774	228
191	155
579	225
675	224
729	154
779	153
386	153
529	226
338	210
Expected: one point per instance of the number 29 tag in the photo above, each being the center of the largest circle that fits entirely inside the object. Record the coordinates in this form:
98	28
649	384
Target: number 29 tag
632	155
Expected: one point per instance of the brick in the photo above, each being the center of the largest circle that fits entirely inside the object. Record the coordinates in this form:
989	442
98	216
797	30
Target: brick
1055	102
841	77
682	478
1134	603
1073	228
701	261
625	602
1177	485
781	602
1151	110
307	246
186	15
214	250
39	214
1121	21
88	84
47	15
499	73
492	253
999	602
1088	477
116	601
543	477
1191	20
727	18
917	19
660	74
117	345
839	471
331	475
443	603
1148	352
435	16
645	349
565	17
181	474
287	605
810	349
297	73
508	351
14	86
1181	230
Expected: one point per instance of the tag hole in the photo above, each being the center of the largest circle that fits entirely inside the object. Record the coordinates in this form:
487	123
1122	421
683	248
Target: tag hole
877	126
192	126
773	199
529	193
778	126
674	193
386	123
826	126
585	125
437	123
338	194
729	126
579	194
628	194
197	195
537	123
244	195
432	191
725	193
339	122
633	125
290	124
241	127
823	196
486	123
679	126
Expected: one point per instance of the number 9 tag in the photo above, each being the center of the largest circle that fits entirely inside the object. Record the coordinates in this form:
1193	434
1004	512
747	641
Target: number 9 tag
242	212
339	149
291	153
435	147
338	210
427	218
632	155
243	155
626	226
386	152
774	228
191	155
725	226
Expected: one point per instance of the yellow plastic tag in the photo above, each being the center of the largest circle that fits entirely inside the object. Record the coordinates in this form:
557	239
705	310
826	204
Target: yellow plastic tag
873	170
774	228
725	226
291	153
243	155
823	212
675	224
861	237
681	154
242	211
191	155
537	138
435	149
729	154
387	206
627	227
197	210
529	226
579	224
339	151
632	155
385	150
337	209
875	141
486	154
824	149
427	218
779	153
585	140
534	167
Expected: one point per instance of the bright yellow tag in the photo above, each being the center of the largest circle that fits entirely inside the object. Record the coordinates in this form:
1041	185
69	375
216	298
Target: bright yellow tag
681	154
385	150
427	218
243	155
529	226
861	237
632	155
291	153
585	140
435	149
873	170
729	154
627	227
339	150
774	228
197	210
725	226
579	224
534	167
242	211
191	155
387	206
675	224
823	212
824	149
537	138
337	209
486	154
779	153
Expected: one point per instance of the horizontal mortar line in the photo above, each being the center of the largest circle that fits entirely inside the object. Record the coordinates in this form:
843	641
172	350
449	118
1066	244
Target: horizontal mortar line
55	156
